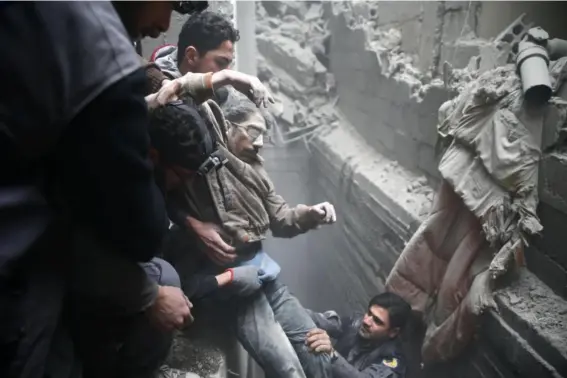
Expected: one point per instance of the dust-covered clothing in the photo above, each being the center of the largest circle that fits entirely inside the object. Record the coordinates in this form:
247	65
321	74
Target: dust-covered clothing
358	357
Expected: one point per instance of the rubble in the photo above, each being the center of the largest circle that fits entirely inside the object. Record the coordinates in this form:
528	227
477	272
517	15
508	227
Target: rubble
293	61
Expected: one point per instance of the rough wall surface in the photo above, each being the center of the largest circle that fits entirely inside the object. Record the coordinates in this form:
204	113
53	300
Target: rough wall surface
370	163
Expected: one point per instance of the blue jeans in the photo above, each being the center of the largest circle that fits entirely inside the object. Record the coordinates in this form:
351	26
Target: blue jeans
272	326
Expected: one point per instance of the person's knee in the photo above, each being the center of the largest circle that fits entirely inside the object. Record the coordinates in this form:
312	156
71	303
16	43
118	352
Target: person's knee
162	272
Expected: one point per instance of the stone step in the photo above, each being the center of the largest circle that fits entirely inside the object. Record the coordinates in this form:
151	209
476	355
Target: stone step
539	316
520	359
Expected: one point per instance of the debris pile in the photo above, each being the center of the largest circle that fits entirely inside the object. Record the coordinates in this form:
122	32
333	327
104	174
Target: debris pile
293	41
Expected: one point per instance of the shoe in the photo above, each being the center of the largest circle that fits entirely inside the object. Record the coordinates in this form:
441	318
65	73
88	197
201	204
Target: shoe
167	372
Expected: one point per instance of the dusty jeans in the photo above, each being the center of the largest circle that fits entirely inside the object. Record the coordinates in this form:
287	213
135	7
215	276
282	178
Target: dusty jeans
272	326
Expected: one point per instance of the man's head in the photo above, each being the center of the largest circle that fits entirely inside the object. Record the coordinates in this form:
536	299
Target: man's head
180	138
150	18
387	314
247	126
206	43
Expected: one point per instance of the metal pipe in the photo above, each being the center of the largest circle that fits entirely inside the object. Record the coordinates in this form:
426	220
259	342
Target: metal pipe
532	61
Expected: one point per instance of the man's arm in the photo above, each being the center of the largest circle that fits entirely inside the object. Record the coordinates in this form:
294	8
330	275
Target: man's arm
329	321
107	172
286	221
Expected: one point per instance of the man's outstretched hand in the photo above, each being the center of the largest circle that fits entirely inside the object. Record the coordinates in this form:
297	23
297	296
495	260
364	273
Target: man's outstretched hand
248	85
318	341
171	309
323	213
217	249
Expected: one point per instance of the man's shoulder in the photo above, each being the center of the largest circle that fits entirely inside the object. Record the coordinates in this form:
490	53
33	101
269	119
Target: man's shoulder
92	50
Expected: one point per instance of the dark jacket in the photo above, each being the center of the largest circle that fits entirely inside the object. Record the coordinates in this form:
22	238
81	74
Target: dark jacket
72	117
359	358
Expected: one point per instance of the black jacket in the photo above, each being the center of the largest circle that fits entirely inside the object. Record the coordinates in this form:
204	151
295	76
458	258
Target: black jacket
359	358
73	145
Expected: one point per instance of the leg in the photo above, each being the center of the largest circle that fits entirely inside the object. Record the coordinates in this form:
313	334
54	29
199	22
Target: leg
296	322
264	339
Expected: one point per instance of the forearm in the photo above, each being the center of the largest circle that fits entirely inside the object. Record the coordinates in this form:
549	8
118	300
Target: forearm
289	222
328	321
207	284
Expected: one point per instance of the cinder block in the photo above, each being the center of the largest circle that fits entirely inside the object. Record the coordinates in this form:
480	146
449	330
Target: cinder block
427	128
433	99
406	150
547	270
428	161
553	234
553	186
396	118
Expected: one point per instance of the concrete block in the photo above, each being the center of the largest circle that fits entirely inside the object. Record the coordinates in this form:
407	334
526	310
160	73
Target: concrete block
380	136
293	28
553	234
411	120
433	99
460	53
395	117
510	347
406	150
274	8
453	23
296	8
427	160
411	31
345	38
427	45
553	186
532	310
427	128
547	270
291	57
393	12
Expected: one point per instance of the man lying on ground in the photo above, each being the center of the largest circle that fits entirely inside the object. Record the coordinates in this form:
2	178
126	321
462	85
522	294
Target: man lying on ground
365	345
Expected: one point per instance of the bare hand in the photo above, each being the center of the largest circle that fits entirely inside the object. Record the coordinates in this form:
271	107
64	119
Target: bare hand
171	309
251	87
318	341
217	249
324	213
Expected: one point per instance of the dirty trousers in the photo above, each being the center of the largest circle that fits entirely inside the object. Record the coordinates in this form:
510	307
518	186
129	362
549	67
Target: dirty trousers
272	326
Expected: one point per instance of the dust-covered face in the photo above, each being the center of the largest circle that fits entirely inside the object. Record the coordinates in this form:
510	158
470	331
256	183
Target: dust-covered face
246	138
376	325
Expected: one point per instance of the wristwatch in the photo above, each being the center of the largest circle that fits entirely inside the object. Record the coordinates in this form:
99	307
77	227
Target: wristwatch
334	356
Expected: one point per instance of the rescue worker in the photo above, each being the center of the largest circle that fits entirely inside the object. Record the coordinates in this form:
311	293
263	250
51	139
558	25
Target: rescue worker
73	154
366	345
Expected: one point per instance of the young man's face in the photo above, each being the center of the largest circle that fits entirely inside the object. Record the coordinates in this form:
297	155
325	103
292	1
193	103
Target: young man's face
246	138
212	61
376	325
